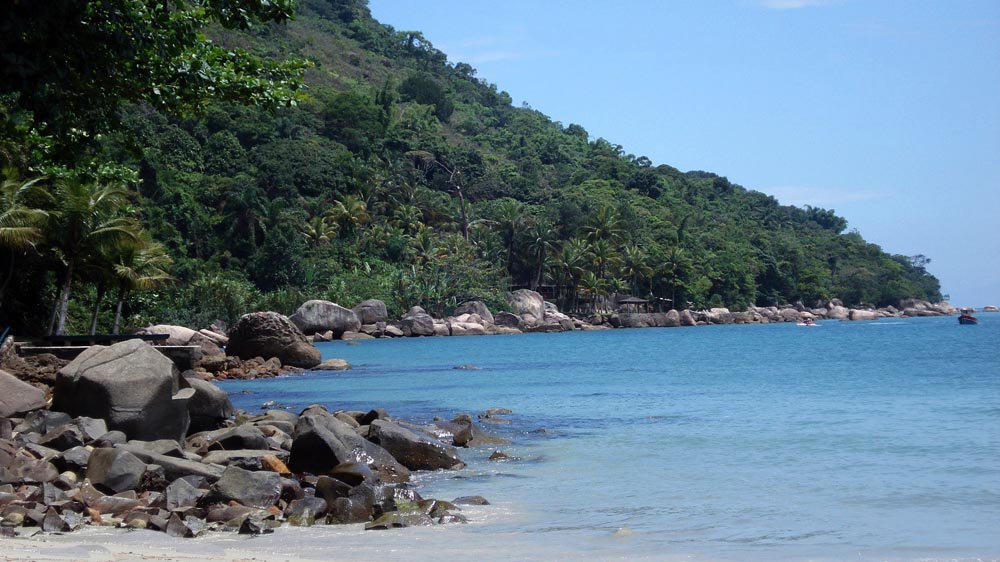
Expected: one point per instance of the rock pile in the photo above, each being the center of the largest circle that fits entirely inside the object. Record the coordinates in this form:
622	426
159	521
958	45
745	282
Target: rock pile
60	470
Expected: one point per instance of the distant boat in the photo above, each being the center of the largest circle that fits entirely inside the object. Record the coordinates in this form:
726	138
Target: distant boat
967	317
990	308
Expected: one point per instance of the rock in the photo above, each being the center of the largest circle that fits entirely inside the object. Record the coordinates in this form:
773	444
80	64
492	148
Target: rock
466	329
396	520
181	493
74	459
355	336
856	314
211	352
269	334
219	339
333	365
394	331
17	397
838	313
475	307
687	319
131	385
321	442
417	323
91	428
177	528
174	467
115	470
318	316
303	512
52	523
210	405
508	320
371	311
470	500
526	302
42	421
414	451
789	315
247	459
255	489
63	438
243	436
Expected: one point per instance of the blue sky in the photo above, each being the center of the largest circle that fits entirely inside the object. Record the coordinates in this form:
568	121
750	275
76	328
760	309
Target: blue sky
886	111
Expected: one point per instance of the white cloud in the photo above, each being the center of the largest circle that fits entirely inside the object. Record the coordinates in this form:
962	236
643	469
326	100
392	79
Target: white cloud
821	196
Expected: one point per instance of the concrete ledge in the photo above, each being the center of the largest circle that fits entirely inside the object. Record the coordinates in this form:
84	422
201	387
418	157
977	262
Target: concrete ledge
184	356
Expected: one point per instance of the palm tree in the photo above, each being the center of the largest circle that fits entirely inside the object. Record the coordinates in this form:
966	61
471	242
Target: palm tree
570	264
605	224
635	265
351	212
87	218
408	218
139	267
319	230
542	239
20	222
509	215
594	287
423	247
602	256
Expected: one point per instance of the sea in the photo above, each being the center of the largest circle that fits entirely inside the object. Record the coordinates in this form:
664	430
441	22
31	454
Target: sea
868	441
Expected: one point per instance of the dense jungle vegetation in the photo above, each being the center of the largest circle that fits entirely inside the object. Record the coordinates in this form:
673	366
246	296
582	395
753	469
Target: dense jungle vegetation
154	175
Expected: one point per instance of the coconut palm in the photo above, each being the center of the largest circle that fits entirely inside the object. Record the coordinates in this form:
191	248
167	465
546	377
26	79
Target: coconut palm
139	267
635	265
408	218
509	216
603	256
605	224
541	243
319	230
569	265
350	212
87	218
20	221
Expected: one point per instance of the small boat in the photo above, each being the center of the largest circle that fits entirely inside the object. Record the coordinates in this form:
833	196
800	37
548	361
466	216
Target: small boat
967	317
808	322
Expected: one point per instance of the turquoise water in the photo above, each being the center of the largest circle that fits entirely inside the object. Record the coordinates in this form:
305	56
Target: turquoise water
852	440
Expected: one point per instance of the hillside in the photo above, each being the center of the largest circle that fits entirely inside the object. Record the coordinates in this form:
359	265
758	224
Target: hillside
400	176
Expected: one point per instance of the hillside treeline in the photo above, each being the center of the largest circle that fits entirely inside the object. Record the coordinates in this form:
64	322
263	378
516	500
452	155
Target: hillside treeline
392	174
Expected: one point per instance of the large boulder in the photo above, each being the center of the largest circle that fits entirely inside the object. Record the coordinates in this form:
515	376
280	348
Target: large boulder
687	319
317	317
115	470
269	334
322	441
259	489
859	314
508	320
371	311
838	313
412	450
210	405
131	385
211	350
18	397
475	307
417	323
526	302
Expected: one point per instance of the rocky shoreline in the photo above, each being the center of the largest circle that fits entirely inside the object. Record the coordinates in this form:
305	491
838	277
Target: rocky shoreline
119	436
130	442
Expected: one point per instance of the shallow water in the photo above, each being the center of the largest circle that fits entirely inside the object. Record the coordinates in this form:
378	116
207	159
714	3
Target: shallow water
851	440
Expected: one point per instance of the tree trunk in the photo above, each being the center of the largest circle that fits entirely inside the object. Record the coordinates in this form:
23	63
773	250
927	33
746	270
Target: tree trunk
97	308
118	311
64	301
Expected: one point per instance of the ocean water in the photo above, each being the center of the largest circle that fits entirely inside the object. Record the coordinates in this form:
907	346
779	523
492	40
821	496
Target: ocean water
847	441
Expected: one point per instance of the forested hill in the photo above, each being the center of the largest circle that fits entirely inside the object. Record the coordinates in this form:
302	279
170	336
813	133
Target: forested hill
398	175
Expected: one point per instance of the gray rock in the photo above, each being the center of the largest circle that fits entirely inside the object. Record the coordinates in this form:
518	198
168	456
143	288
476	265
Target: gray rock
524	302
412	450
181	493
63	437
417	323
255	489
371	311
333	365
243	436
470	500
321	442
42	421
91	428
210	405
18	397
303	512
508	320
475	307
174	468
318	316
131	385
269	334
857	314
115	470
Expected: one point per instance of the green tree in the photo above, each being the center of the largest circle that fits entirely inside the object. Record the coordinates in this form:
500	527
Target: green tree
87	218
20	220
71	64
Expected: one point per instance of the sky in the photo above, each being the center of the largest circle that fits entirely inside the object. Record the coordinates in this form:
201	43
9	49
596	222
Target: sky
887	111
